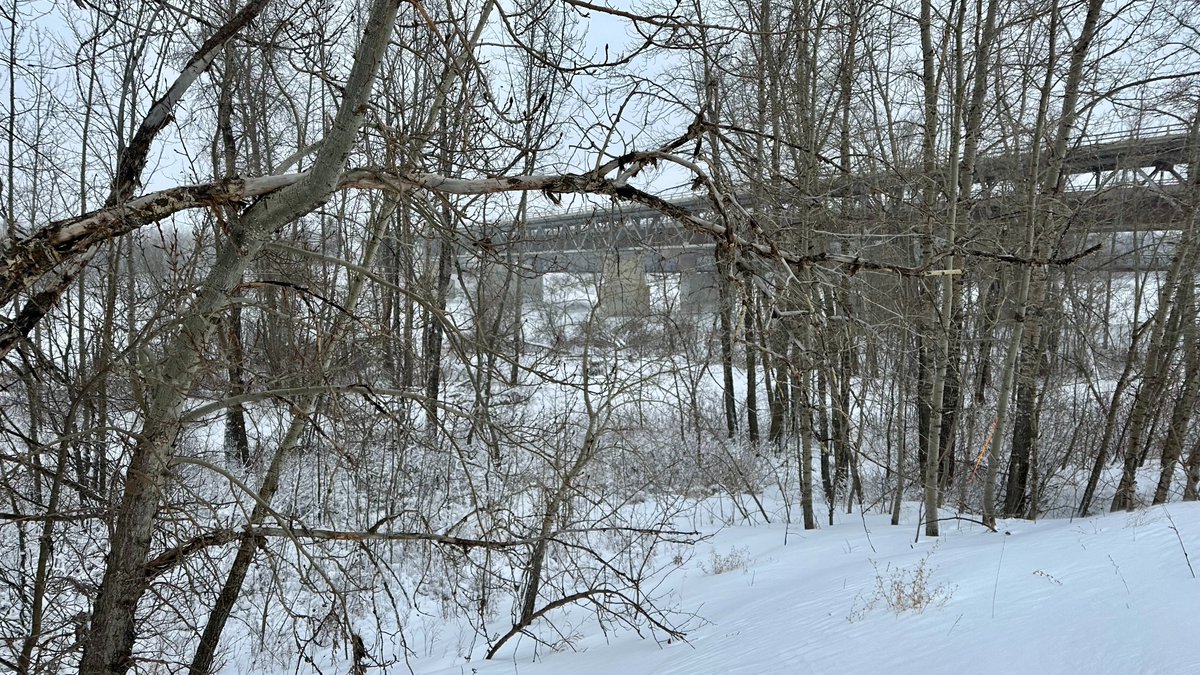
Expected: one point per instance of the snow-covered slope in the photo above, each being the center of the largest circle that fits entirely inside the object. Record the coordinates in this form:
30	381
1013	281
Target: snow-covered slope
1108	594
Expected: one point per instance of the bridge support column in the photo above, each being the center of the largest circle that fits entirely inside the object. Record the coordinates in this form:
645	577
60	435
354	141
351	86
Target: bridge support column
496	300
499	287
532	284
623	288
698	290
533	287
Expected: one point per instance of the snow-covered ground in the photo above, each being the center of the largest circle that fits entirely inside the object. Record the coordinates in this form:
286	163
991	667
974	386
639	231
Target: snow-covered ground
1107	594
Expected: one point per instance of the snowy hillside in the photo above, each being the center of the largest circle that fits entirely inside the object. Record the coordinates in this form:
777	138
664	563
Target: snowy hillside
1107	594
375	337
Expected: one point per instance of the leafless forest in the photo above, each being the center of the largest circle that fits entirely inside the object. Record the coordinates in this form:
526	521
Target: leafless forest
274	381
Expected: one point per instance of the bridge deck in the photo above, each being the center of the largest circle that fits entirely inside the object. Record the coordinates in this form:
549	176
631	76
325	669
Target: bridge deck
577	240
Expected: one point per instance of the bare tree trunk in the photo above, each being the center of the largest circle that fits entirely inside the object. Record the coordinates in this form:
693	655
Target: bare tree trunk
303	410
1184	405
237	441
109	642
1166	328
781	402
433	332
726	299
823	436
751	368
1173	319
1191	490
1025	421
1110	424
1043	198
940	354
802	399
901	444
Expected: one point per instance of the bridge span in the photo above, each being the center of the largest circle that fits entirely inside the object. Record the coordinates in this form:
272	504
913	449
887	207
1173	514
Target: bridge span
1125	192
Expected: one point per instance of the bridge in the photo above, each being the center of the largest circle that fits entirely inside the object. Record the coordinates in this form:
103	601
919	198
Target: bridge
1125	191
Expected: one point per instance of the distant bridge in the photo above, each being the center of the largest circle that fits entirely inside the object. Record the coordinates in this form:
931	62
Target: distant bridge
1124	191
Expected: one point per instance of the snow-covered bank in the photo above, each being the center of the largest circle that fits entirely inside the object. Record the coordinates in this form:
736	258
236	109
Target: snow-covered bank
1108	594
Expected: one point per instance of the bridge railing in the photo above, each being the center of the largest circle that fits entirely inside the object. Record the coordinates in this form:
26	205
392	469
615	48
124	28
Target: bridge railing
1140	134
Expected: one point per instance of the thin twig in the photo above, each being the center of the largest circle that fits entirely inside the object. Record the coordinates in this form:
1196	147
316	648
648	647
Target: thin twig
962	518
996	586
1180	538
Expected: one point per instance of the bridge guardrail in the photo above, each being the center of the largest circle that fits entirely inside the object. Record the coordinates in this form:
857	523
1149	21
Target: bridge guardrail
1160	131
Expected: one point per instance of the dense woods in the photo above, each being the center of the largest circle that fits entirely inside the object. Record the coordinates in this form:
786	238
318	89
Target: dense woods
281	381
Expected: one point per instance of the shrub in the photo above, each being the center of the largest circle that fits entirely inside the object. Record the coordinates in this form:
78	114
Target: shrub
902	590
738	558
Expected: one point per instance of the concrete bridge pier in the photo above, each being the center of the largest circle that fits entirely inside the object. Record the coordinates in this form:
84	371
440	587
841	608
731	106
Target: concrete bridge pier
623	289
532	285
492	291
698	290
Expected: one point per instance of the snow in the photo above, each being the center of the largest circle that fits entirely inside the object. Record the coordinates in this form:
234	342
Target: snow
1107	594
